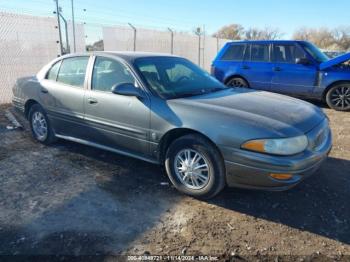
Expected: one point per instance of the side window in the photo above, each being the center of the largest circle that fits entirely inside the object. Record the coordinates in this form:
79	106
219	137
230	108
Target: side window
108	72
259	53
287	53
52	74
72	71
234	53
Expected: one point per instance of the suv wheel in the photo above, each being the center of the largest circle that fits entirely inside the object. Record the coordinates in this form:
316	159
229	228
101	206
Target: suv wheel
338	97
237	82
195	167
40	125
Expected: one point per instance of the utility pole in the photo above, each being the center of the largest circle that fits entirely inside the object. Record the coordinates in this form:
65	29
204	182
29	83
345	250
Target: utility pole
59	26
73	26
198	33
203	47
135	30
172	40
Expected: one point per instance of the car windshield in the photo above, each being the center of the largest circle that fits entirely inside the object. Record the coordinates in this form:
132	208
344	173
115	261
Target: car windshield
174	77
315	52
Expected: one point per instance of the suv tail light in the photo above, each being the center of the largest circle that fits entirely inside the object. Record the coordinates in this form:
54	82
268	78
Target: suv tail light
212	70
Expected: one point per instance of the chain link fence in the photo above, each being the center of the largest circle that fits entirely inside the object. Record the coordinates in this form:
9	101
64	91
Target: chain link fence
29	42
26	44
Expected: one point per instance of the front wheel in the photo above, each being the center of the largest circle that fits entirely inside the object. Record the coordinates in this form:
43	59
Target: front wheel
195	167
338	97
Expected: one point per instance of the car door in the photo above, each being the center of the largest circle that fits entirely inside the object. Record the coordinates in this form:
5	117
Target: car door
256	67
116	121
62	95
288	76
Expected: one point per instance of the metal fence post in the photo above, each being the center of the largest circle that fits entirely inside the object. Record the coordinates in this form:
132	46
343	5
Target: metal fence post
217	44
66	29
172	40
59	26
73	25
135	31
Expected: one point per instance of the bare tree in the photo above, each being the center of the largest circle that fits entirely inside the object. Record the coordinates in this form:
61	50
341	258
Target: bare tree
341	37
336	39
253	33
233	31
268	33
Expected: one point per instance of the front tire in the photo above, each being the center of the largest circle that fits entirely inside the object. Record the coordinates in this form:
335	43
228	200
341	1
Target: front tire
40	125
195	167
338	97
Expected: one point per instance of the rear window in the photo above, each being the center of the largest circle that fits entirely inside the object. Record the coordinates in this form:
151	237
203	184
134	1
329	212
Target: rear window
234	53
72	71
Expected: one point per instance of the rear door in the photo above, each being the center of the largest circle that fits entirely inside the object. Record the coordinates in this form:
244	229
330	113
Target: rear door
113	120
257	66
289	77
62	95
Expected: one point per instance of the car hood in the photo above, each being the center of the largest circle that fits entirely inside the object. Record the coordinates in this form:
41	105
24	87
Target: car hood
281	115
335	61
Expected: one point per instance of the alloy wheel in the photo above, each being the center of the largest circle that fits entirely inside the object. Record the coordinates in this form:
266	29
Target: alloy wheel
192	169
340	97
39	126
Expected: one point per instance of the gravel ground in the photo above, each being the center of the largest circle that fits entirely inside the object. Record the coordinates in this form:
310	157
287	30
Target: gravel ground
69	199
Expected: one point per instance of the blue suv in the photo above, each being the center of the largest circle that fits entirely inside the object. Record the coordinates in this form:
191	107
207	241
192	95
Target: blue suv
296	68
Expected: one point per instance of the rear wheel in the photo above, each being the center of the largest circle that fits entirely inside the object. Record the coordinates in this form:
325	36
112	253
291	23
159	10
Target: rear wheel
40	125
338	97
237	82
195	167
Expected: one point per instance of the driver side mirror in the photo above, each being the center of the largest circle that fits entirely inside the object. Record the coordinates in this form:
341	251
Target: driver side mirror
126	89
302	61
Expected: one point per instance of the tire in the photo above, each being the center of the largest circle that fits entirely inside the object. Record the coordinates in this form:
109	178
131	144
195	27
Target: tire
207	154
338	97
37	120
237	82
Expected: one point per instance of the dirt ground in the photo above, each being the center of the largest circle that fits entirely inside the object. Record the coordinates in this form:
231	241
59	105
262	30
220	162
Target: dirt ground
69	199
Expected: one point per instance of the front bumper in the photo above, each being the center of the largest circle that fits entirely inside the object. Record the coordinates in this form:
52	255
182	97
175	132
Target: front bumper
252	170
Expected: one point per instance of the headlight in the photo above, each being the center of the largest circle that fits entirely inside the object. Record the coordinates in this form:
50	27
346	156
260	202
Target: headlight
280	146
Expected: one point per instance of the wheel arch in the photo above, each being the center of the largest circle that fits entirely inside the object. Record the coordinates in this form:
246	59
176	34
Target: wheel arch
324	94
238	76
176	133
29	103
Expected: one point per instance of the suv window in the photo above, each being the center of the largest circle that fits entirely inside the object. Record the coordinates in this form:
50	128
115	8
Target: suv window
234	53
52	74
287	53
259	52
108	72
72	71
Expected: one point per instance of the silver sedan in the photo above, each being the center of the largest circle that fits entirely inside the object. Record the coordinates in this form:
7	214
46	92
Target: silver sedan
165	110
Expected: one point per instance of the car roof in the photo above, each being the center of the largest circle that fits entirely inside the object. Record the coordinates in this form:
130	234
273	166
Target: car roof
129	56
266	41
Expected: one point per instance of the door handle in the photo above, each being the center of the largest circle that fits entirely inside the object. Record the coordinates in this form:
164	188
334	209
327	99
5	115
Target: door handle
44	91
277	68
245	67
92	101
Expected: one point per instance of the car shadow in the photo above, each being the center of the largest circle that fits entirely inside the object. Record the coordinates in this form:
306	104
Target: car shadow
318	205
